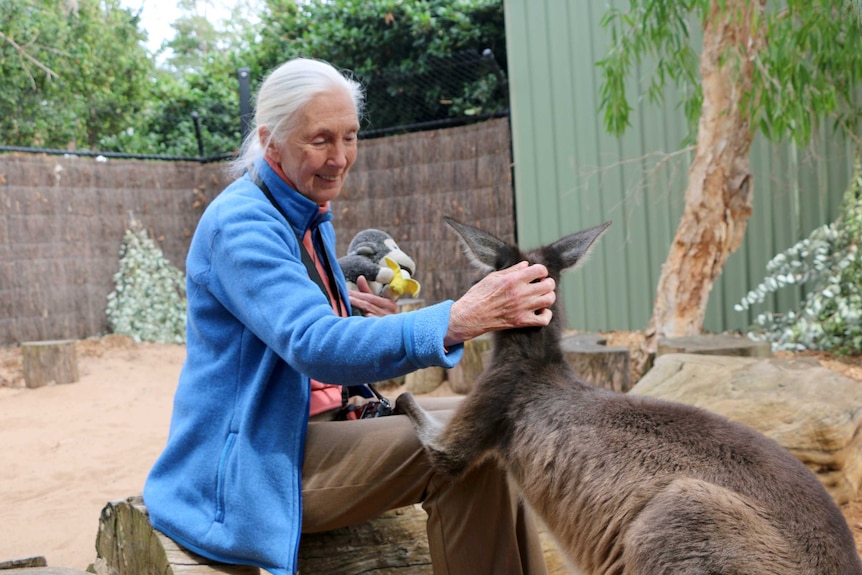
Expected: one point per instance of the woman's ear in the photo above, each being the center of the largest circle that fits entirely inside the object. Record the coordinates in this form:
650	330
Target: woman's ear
267	143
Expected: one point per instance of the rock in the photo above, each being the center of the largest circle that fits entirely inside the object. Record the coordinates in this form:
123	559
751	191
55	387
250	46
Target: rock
813	412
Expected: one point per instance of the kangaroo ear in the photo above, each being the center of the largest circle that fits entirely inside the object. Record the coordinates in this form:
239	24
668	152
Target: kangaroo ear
574	248
481	248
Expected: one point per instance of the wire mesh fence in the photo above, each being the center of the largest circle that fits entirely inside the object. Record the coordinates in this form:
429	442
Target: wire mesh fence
452	90
457	89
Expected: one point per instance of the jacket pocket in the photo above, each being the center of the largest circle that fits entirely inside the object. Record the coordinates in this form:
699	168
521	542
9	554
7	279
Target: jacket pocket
220	479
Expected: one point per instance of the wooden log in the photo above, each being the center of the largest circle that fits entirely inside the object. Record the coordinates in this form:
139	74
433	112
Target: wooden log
393	544
127	544
462	376
44	571
26	562
597	363
715	344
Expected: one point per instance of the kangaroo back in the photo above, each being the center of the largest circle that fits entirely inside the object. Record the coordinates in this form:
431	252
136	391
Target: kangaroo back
627	484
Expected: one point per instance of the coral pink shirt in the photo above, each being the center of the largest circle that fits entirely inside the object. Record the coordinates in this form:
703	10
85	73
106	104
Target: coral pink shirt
324	397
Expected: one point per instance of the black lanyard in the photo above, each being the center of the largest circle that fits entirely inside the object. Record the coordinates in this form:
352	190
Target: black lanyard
306	257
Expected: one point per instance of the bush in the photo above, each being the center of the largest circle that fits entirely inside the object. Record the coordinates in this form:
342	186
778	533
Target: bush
828	260
149	300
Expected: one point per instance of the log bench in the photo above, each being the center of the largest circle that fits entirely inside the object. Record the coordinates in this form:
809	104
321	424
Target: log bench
392	544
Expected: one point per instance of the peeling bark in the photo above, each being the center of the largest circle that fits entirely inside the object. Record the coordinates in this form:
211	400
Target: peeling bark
719	194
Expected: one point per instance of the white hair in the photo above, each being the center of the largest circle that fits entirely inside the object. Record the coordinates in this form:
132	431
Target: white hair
282	94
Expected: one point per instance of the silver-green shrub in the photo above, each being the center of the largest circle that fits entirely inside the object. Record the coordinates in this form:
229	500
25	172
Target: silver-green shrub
149	300
829	262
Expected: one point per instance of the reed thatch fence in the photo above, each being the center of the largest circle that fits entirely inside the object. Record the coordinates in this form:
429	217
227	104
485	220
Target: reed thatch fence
62	219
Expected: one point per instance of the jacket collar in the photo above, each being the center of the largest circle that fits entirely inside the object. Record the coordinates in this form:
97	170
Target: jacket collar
303	214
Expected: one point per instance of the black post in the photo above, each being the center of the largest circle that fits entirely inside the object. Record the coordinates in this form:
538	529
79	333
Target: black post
198	135
488	56
244	101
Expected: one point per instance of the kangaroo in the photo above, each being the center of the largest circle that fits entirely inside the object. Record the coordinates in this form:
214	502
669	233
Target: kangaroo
628	484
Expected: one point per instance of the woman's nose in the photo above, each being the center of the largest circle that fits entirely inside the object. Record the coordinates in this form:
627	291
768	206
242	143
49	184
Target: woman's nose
338	157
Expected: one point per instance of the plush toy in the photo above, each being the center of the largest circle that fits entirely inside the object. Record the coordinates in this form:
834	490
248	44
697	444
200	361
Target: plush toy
374	254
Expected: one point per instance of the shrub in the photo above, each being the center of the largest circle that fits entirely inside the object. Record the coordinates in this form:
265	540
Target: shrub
149	300
828	260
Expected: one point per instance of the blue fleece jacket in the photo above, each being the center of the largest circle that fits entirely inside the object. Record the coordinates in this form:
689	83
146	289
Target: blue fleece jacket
228	483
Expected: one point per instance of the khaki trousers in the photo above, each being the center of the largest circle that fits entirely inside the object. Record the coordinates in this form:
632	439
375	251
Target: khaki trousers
356	470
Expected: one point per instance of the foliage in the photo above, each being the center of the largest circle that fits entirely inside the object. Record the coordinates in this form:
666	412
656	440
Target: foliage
830	262
166	125
149	300
394	48
72	72
76	73
198	78
809	68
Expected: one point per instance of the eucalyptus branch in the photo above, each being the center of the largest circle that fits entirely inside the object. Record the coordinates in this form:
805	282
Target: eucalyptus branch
23	54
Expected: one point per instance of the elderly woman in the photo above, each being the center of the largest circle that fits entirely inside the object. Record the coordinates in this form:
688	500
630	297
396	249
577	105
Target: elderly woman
244	472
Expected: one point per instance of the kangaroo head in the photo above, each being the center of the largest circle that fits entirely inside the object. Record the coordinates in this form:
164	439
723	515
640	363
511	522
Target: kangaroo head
489	253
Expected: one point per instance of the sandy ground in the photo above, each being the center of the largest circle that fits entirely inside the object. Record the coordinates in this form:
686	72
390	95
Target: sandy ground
69	449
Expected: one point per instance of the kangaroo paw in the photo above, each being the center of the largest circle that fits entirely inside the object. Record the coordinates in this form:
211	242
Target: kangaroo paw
405	404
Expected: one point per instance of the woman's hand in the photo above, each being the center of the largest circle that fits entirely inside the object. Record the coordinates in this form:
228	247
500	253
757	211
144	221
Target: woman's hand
368	302
518	296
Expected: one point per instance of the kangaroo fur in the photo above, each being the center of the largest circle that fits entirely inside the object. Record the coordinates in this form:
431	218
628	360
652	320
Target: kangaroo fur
631	485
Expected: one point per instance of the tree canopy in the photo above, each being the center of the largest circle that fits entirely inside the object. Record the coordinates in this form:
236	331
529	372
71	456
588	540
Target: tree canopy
77	75
73	71
810	69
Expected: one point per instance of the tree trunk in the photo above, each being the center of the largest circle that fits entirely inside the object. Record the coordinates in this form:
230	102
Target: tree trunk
719	193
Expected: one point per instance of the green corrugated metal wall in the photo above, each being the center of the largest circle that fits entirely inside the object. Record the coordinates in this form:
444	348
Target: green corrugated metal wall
570	174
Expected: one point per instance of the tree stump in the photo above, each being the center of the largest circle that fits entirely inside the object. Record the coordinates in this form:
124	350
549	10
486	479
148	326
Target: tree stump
49	362
462	376
715	344
594	361
424	380
597	363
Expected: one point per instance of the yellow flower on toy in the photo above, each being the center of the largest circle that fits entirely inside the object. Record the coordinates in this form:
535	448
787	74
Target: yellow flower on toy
401	281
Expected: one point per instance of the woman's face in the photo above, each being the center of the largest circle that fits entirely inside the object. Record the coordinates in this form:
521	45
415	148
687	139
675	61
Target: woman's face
317	154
